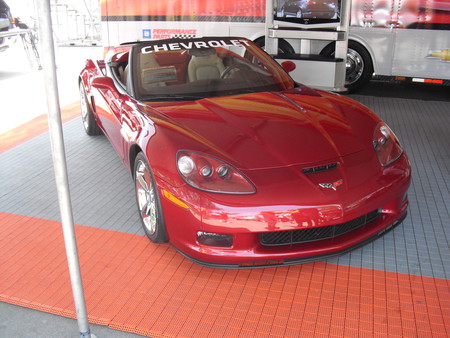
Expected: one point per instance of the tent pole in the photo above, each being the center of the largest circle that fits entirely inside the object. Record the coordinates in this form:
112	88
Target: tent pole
59	162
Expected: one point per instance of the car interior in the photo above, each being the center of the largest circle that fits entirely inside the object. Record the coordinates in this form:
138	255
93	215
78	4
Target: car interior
202	72
204	64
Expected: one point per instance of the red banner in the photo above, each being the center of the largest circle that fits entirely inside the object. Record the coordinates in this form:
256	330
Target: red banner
195	8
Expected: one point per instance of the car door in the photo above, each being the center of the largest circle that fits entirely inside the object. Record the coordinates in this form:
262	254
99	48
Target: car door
129	126
109	102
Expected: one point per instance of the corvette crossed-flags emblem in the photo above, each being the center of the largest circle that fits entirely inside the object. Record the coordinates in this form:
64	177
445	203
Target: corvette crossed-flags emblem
333	185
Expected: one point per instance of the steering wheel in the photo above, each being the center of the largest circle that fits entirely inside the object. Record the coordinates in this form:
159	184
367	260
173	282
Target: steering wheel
229	69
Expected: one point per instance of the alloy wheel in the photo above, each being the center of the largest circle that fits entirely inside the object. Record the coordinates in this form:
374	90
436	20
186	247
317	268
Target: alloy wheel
84	108
147	203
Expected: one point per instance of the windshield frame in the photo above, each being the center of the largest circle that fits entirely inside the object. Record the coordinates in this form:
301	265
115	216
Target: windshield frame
261	73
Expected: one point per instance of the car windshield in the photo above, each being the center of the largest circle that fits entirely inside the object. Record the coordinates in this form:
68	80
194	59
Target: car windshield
189	69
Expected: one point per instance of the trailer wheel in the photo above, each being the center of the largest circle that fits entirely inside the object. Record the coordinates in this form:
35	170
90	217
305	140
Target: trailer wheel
359	67
284	47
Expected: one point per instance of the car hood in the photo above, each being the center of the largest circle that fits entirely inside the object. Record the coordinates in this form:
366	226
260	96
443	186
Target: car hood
266	130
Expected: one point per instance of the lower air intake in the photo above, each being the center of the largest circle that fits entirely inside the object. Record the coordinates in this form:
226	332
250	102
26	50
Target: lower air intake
316	234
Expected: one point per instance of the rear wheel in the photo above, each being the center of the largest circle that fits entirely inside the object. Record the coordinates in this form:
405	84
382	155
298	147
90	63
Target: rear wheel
149	205
284	47
89	123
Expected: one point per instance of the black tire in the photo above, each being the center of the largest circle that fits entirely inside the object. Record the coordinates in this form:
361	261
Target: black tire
359	65
284	47
89	123
148	202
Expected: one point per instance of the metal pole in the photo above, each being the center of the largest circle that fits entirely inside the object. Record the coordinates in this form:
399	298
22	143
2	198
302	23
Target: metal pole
341	46
25	46
59	163
270	44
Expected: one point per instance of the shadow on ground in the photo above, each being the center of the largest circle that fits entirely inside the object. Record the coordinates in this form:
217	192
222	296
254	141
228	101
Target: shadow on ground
406	90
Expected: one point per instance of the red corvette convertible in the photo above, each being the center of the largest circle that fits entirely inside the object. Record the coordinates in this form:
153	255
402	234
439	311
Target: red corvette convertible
234	163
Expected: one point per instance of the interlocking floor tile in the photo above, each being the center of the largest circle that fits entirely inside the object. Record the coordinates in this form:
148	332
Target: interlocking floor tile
396	286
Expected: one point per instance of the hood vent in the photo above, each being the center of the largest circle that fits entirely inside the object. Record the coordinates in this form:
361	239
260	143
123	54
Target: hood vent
326	167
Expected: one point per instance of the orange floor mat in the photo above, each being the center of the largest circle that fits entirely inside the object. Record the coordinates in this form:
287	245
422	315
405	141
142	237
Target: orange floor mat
136	286
34	127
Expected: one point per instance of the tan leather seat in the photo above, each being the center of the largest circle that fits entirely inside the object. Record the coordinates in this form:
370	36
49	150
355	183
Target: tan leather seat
205	64
124	75
147	63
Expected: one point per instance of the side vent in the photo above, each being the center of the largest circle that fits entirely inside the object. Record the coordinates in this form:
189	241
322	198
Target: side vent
326	167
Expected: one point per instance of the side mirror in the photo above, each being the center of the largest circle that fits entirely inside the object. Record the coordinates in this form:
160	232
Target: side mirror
288	66
103	82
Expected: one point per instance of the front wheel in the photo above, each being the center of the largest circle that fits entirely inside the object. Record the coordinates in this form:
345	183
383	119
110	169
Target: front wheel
89	123
148	202
359	66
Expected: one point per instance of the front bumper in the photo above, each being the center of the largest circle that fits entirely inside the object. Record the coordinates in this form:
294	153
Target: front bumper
301	254
274	262
246	222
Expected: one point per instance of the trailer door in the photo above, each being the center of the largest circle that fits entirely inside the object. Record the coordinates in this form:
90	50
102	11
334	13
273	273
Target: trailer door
421	53
422	36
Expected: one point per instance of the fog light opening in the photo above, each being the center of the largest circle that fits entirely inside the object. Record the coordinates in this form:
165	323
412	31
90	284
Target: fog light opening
213	239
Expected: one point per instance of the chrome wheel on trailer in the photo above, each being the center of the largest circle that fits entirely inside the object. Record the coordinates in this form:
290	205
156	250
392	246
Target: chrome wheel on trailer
354	67
359	67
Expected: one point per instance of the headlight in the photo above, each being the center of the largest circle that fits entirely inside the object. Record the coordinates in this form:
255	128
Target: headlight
210	174
386	145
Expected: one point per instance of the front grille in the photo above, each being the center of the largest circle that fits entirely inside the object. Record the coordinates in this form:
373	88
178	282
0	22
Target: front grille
316	234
